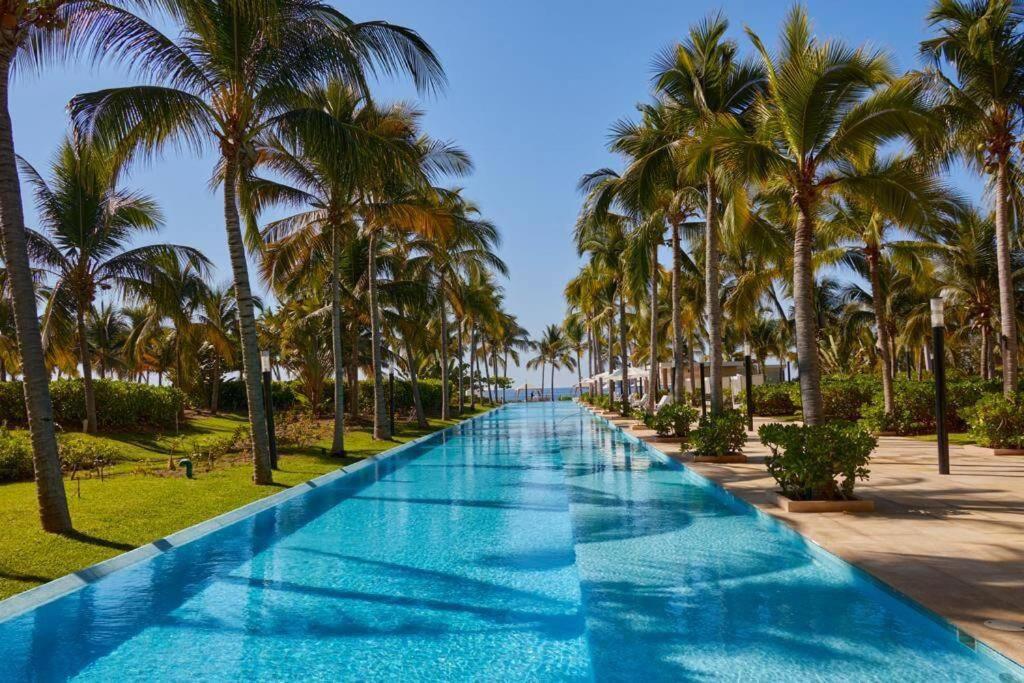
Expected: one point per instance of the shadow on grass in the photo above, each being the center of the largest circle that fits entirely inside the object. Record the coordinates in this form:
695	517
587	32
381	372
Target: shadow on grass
82	537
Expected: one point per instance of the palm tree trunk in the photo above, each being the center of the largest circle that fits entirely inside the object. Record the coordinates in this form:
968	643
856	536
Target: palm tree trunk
215	390
1007	309
806	326
251	367
677	316
552	381
882	325
444	357
623	351
652	376
693	372
504	367
713	302
472	367
414	386
338	438
986	349
86	361
487	370
543	378
381	425
53	504
462	369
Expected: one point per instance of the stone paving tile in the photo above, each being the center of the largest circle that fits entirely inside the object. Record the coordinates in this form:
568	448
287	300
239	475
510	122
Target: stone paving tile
954	543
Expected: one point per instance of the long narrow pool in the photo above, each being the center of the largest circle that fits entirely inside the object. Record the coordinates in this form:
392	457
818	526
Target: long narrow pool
534	543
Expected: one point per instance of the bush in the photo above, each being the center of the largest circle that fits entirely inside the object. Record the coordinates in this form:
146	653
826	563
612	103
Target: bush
775	399
845	398
120	405
297	428
821	462
914	409
15	456
233	400
997	422
673	419
78	454
721	434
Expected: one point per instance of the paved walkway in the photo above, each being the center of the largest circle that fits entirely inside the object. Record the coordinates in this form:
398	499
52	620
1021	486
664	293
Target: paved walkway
954	543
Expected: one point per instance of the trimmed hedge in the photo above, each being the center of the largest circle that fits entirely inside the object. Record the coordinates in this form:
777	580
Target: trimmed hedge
914	409
771	400
997	422
119	405
232	396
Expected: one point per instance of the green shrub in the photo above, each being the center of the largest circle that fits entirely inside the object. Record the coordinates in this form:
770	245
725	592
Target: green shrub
721	434
673	419
233	400
78	454
914	406
997	422
565	398
845	398
775	399
119	405
821	462
15	456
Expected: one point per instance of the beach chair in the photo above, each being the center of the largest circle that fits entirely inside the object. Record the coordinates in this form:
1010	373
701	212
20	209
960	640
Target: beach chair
665	400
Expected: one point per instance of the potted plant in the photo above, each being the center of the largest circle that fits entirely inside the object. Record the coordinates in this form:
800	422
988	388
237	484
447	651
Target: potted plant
818	466
997	424
720	438
672	421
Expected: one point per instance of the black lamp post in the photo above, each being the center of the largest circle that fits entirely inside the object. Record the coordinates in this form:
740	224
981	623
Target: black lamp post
268	406
939	367
748	379
391	399
703	396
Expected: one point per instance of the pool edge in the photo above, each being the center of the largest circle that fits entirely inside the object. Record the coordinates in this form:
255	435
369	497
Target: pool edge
819	551
26	601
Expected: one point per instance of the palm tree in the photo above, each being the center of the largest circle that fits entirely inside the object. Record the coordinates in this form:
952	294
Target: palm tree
824	108
106	331
88	222
367	142
230	78
705	84
219	320
864	234
32	33
984	111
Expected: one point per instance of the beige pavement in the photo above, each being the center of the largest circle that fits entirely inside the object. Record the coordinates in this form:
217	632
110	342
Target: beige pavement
954	543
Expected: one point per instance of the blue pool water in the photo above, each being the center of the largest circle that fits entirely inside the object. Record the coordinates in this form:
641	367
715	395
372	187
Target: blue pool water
535	543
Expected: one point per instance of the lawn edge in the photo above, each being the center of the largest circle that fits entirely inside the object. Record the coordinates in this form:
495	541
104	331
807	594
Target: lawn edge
26	601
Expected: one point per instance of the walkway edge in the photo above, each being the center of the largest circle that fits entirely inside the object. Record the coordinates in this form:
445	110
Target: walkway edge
19	604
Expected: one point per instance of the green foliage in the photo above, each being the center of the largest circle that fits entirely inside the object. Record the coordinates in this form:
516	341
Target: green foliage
77	455
233	399
775	399
845	398
914	406
430	395
997	422
298	428
565	398
820	462
120	405
15	456
721	434
673	419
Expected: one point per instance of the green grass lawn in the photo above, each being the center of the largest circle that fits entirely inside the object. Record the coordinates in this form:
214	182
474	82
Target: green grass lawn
956	439
140	501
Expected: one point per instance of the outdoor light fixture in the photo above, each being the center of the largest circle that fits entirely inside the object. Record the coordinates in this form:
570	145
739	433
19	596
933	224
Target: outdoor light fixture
939	371
938	312
268	405
748	380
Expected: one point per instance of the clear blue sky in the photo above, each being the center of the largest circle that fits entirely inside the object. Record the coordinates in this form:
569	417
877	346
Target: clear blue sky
533	88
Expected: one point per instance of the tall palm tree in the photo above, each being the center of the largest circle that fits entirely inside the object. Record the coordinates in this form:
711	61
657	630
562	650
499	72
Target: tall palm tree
704	84
32	33
981	41
106	331
864	235
367	142
219	319
230	78
88	222
825	106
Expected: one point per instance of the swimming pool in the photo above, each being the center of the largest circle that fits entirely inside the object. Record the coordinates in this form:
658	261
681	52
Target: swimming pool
534	543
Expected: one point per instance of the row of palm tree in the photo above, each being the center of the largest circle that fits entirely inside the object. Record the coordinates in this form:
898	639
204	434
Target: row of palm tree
377	259
802	196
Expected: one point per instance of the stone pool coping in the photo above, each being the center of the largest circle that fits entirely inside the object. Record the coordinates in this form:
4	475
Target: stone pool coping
19	604
748	485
